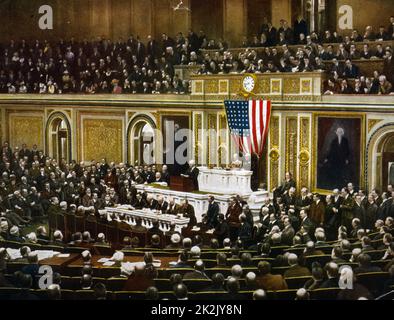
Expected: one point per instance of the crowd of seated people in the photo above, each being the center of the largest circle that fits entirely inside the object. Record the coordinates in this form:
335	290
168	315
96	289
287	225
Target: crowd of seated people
270	36
100	65
134	66
293	249
313	54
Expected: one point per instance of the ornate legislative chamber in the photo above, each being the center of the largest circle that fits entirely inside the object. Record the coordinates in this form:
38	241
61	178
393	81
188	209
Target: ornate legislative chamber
90	127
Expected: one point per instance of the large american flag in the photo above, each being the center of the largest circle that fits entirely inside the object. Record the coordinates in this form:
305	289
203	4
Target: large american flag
249	122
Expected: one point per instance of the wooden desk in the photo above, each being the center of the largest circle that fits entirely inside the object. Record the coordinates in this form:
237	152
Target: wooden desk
165	261
58	262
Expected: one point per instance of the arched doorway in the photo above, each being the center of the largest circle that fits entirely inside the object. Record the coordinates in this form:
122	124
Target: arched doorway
141	137
58	137
381	158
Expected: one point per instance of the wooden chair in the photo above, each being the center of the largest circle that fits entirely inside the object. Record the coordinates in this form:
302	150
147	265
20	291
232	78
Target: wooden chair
107	272
74	249
285	294
195	285
324	294
296	282
70	226
279	270
102	228
224	271
112	234
70	283
103	250
318	258
166	273
163	284
91	226
374	281
79	224
141	236
84	295
116	284
60	223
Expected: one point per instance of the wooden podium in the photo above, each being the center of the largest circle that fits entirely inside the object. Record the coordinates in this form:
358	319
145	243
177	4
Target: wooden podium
179	183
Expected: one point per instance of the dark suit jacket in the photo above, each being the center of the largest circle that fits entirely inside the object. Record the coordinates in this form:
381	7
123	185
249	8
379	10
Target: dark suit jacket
212	213
288	235
195	275
317	212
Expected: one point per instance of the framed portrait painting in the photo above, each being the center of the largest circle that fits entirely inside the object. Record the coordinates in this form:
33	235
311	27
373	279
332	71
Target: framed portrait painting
339	151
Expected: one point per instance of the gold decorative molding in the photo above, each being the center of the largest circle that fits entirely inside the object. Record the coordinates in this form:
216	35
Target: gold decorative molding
306	86
197	124
102	138
212	143
223	86
263	86
291	145
274	152
291	85
304	155
211	86
372	123
235	86
26	129
198	87
223	141
276	85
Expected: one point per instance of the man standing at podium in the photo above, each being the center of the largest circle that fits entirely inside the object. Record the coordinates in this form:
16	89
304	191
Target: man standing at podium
192	173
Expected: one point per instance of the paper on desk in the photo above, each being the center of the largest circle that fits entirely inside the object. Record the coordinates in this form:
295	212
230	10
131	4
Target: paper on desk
103	260
14	253
45	254
195	228
108	263
63	255
210	231
156	263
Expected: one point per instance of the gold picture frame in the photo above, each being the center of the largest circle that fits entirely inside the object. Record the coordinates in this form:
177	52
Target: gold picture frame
343	115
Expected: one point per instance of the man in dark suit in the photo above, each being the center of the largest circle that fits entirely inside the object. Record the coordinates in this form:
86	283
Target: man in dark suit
165	176
332	271
198	273
188	212
384	208
286	185
347	209
287	233
213	211
192	173
351	70
289	199
161	205
172	208
306	223
232	215
222	230
303	201
317	210
245	231
295	269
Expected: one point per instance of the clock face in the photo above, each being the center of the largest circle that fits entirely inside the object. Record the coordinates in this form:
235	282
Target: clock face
248	83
